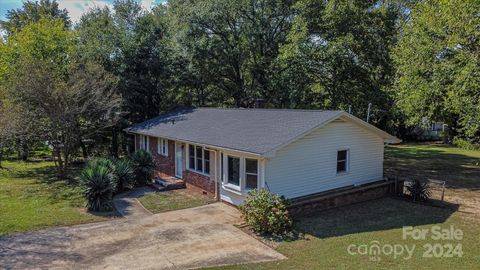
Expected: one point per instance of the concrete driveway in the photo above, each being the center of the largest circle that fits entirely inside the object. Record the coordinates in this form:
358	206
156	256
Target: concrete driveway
183	239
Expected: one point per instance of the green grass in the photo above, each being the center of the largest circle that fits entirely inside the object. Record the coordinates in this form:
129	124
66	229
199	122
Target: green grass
32	198
158	202
324	238
460	168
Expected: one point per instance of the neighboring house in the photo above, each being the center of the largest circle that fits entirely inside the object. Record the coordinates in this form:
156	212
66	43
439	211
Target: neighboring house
289	152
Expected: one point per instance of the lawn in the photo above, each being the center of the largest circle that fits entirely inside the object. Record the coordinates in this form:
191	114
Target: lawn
323	240
32	198
158	202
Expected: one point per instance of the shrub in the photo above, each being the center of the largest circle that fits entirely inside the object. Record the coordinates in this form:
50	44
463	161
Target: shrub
101	162
465	144
143	167
97	186
419	190
266	212
123	175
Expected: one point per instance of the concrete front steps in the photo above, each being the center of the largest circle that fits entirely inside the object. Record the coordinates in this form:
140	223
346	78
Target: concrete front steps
168	183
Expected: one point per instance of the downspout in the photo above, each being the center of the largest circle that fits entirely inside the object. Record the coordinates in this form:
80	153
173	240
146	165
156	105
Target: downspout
217	198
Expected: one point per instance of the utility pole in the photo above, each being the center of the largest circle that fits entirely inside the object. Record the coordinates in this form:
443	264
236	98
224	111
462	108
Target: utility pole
368	111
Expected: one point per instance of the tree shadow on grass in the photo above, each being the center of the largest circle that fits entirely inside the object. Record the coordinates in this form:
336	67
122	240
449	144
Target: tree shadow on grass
459	171
376	215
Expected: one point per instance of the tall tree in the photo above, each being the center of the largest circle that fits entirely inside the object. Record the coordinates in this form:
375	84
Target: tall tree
65	102
232	45
32	11
343	50
147	73
438	61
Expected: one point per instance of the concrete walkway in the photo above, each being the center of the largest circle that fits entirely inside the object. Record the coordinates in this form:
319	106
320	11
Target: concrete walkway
190	238
128	205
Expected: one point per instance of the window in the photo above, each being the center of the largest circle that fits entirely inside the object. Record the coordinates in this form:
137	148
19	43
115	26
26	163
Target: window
233	171
162	146
251	173
144	143
198	155
240	173
191	157
206	160
198	159
342	157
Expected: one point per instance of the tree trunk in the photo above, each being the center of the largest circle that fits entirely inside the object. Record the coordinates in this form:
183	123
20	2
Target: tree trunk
84	150
23	151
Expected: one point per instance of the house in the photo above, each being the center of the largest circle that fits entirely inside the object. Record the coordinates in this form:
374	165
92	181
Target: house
228	152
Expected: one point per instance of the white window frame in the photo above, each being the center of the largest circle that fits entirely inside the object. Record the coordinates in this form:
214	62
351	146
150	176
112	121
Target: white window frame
194	169
347	161
144	142
227	169
162	146
243	173
256	174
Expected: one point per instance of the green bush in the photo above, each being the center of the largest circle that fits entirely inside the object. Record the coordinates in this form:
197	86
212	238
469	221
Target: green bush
143	167
464	144
266	212
101	162
418	190
98	186
123	175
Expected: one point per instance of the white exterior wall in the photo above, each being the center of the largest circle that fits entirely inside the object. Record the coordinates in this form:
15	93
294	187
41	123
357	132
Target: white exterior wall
309	164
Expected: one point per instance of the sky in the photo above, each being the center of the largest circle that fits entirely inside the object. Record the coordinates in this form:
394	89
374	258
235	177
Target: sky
75	7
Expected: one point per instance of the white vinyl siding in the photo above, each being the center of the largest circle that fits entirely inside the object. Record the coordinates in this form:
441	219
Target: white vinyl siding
309	165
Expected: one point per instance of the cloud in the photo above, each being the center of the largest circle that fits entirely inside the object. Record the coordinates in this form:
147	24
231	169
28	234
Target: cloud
77	7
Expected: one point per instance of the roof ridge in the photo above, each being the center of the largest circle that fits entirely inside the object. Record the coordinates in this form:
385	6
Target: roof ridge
266	109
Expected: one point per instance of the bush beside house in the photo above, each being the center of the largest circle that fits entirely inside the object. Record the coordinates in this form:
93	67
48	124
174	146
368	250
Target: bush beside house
265	212
144	167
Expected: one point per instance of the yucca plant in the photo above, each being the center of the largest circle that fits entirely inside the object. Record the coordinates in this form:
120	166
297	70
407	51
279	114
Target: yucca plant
97	187
123	175
418	190
105	162
143	167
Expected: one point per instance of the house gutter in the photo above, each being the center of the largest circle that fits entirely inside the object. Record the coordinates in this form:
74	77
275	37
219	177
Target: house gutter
196	143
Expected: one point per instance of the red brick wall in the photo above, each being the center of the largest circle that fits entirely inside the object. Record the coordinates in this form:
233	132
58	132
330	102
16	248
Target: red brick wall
202	181
165	164
355	195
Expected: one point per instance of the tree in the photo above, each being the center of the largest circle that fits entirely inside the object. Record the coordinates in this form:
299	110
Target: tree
343	50
131	44
438	76
231	46
67	110
64	101
146	77
33	11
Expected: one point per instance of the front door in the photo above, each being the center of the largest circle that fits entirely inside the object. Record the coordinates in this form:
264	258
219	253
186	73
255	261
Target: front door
178	160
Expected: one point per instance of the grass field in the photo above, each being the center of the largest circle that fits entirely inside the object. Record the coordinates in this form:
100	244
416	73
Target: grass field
173	200
324	239
31	198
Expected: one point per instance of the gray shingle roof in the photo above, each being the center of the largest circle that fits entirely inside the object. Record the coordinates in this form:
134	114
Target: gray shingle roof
251	130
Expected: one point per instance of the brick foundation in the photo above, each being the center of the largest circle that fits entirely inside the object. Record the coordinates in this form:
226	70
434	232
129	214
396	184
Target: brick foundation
201	181
315	203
